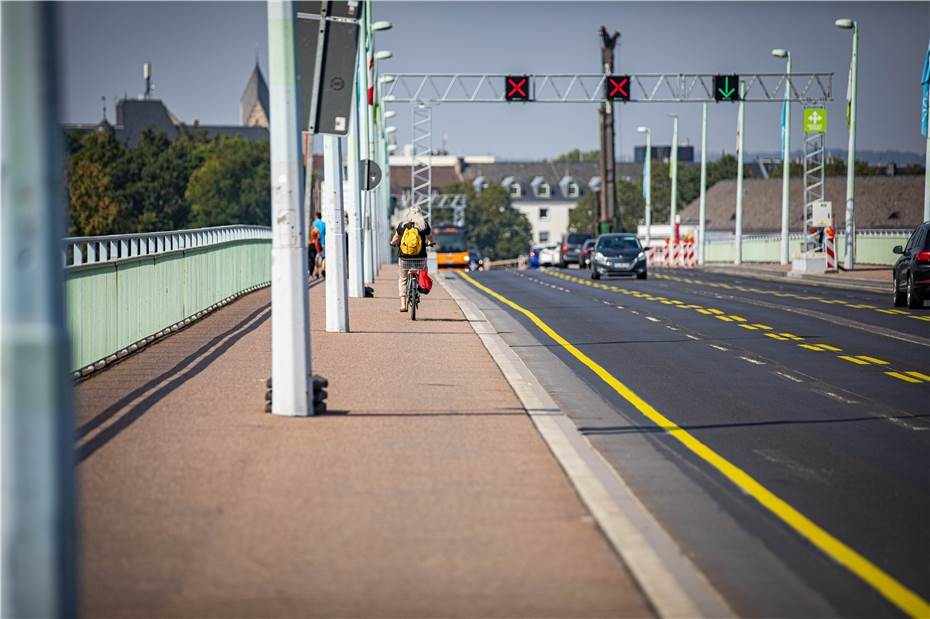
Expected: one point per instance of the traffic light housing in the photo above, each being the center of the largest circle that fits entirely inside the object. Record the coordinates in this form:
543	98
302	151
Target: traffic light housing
617	88
517	87
726	88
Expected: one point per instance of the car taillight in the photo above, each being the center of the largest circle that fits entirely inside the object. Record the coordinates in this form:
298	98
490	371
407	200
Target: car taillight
564	246
587	251
923	256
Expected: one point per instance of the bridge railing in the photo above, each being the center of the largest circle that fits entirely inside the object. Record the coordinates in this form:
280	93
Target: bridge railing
872	247
126	291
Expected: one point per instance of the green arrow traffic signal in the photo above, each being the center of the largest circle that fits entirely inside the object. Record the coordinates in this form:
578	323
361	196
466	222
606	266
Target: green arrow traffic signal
726	88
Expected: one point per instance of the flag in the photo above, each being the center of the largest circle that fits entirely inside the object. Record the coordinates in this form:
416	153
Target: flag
925	102
646	166
849	97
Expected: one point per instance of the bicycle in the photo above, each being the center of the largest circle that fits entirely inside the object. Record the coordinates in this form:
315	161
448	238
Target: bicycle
413	267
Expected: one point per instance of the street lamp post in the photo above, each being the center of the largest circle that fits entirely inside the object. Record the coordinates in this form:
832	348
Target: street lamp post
673	206
647	182
740	127
850	245
372	260
703	203
786	154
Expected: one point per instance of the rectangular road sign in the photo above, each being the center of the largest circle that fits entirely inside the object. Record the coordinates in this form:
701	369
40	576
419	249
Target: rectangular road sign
815	120
617	88
821	214
517	87
330	110
726	88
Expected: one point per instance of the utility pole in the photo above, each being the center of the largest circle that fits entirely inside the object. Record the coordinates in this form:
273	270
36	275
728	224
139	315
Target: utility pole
740	125
600	210
612	215
290	321
337	308
39	561
703	210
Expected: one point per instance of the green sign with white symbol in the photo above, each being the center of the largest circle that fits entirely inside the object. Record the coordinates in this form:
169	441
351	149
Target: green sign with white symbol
815	120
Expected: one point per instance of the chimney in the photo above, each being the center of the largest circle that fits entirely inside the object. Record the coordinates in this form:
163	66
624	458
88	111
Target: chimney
147	76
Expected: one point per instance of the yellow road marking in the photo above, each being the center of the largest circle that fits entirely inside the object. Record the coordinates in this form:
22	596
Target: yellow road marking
724	318
737	318
703	311
749	327
855	360
714	311
812	347
920	375
872	360
830	348
898	594
903	377
764	327
775	336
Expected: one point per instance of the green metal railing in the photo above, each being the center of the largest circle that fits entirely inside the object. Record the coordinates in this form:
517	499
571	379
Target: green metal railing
872	247
125	291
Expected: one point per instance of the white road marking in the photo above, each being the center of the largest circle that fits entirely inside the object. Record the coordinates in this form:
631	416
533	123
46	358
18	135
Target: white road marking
840	398
693	337
635	312
790	377
719	347
652	319
671	328
750	360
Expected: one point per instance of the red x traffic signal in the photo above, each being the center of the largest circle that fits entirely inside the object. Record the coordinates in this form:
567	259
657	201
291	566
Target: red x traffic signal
617	88
517	87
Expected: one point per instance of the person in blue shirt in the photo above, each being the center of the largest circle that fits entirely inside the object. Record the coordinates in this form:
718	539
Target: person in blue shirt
320	225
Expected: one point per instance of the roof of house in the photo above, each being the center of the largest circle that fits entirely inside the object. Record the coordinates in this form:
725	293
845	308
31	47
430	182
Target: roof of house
881	202
558	175
441	176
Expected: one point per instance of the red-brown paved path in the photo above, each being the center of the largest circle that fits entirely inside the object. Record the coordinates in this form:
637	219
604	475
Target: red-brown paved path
196	503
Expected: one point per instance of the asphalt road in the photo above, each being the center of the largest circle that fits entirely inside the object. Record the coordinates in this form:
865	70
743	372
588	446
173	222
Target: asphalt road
821	395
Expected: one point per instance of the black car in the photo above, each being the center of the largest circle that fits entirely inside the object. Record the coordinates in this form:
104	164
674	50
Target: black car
571	247
618	254
912	270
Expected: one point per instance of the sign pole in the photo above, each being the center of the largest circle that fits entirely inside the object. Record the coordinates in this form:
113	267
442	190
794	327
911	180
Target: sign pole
290	318
353	204
702	210
673	202
39	562
786	164
738	240
337	309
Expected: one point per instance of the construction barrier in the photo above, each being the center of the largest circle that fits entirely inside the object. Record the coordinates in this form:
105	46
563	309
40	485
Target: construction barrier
829	245
673	255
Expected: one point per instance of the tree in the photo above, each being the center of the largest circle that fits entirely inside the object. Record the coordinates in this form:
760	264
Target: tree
232	185
493	226
579	155
95	174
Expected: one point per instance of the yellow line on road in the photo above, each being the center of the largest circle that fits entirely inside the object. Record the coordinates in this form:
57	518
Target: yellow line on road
904	377
898	594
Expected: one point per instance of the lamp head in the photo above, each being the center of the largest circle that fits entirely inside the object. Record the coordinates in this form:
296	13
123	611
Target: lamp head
382	25
390	114
383	55
386	79
844	23
390	130
780	53
643	129
392	148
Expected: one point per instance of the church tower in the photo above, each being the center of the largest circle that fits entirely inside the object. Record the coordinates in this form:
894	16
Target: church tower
253	105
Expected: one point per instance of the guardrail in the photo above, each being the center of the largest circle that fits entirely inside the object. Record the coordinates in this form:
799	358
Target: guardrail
872	247
126	291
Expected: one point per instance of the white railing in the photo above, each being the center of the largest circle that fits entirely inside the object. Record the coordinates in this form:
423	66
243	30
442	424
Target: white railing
773	237
83	250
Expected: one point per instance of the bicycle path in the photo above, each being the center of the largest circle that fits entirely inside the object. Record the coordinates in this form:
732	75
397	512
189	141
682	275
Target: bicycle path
425	491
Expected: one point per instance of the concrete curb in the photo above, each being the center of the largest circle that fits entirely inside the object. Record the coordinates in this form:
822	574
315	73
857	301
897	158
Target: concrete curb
809	280
669	579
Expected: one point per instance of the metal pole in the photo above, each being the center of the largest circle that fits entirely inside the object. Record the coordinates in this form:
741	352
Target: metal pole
290	319
786	162
354	196
702	210
927	181
337	308
850	248
364	141
38	521
740	126
673	206
648	182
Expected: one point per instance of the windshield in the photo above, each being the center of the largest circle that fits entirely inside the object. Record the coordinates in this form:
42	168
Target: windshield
620	243
450	241
577	238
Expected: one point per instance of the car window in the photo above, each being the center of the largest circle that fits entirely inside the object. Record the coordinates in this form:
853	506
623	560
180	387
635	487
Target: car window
912	240
619	242
926	242
576	238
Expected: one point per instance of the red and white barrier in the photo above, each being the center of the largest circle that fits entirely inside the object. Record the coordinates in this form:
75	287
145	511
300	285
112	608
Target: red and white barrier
829	246
672	255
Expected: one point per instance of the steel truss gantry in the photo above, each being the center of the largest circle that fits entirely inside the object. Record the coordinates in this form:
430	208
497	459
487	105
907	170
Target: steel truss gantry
421	173
814	164
455	201
808	88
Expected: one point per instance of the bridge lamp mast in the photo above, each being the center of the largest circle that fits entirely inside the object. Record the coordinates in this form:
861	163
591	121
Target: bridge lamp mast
850	245
647	182
786	154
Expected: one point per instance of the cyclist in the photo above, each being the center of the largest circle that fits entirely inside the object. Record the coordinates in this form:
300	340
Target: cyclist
412	219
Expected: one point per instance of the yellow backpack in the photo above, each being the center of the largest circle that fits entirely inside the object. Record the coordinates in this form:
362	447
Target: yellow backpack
410	242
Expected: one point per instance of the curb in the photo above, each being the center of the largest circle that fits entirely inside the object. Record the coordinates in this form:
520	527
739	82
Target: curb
669	580
807	280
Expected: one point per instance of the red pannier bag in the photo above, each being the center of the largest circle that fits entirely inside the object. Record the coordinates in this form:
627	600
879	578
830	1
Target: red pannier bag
424	283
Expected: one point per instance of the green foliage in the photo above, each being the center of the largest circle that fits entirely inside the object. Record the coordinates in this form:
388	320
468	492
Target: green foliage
164	185
494	228
579	155
232	186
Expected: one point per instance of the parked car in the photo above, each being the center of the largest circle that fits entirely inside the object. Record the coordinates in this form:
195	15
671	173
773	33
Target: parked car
571	247
548	256
587	251
618	254
911	274
534	257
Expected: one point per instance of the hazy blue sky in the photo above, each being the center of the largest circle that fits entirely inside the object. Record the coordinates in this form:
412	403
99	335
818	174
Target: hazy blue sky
203	53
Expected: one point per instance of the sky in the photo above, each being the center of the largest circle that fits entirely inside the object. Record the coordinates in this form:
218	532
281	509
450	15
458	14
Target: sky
203	52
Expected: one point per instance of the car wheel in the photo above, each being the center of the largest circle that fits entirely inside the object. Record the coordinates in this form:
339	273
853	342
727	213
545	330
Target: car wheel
914	300
595	274
641	275
899	298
